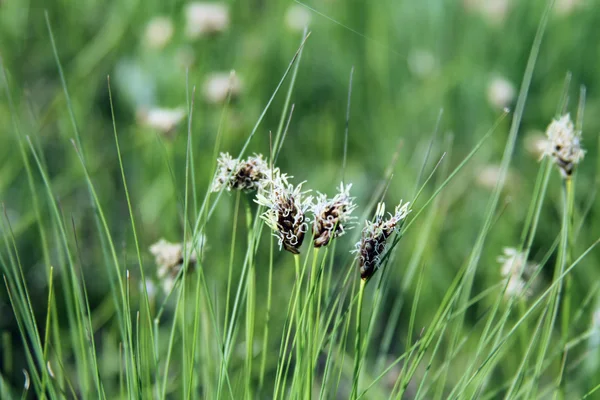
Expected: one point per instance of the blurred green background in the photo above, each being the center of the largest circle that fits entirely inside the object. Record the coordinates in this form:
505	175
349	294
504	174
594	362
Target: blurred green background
411	60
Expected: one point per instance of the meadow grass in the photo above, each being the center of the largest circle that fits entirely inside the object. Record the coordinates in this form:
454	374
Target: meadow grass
260	295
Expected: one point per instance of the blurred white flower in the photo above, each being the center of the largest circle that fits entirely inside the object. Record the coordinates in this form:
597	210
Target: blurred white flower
205	18
170	257
494	11
566	7
500	92
184	57
159	32
162	119
488	176
297	17
517	270
219	84
535	143
421	62
564	145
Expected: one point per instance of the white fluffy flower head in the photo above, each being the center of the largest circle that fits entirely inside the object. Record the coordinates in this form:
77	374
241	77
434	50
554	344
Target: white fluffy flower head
204	18
234	174
516	269
170	258
563	145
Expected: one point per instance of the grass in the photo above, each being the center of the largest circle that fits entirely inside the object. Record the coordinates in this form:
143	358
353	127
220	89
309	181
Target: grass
86	188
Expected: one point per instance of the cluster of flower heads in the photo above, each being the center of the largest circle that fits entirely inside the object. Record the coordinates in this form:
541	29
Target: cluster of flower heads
517	271
170	258
287	206
375	235
563	145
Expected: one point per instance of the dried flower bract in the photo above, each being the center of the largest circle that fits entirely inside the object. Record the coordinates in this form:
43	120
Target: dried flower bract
563	145
375	235
331	216
286	214
233	174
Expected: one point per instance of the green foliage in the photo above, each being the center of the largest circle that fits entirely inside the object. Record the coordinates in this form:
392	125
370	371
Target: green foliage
88	185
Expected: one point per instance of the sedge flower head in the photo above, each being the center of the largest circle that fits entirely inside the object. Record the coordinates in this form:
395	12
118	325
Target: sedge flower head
159	32
375	235
206	18
170	257
234	174
286	210
563	145
164	120
332	216
516	270
218	86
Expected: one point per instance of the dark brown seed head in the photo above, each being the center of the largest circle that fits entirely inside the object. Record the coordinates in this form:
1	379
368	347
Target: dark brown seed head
375	235
331	216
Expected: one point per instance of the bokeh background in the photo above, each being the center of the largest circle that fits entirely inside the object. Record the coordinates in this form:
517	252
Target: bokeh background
415	63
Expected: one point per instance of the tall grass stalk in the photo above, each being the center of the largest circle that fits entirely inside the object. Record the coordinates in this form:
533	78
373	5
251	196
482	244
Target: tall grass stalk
357	341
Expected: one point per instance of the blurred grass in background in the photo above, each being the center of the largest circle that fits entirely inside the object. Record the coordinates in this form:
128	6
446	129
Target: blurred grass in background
411	60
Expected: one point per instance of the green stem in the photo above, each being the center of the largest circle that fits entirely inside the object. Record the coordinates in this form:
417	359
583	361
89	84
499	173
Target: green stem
231	259
357	342
310	341
263	361
297	317
250	306
568	227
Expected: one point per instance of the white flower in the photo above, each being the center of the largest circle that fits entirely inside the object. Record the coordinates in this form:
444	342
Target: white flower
233	174
159	32
495	11
286	210
205	18
184	57
374	238
563	145
566	7
331	216
297	17
218	85
162	119
500	92
488	176
421	62
516	269
535	143
170	257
